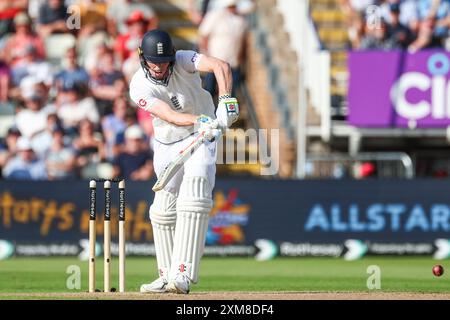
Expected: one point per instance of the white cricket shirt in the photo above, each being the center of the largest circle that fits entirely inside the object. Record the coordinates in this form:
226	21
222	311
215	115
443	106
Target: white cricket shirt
184	94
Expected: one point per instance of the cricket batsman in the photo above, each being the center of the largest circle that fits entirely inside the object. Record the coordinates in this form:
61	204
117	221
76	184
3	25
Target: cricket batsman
169	87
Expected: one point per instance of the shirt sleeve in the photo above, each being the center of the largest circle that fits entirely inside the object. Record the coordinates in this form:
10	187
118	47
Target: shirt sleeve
141	94
188	60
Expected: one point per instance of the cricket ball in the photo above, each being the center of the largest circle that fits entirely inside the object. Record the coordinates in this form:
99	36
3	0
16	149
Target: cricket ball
438	270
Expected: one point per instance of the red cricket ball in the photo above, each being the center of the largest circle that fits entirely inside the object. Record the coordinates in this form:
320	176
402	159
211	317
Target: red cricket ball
438	270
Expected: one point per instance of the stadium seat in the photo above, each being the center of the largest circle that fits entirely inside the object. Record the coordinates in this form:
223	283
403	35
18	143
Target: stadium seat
328	16
188	33
333	35
56	46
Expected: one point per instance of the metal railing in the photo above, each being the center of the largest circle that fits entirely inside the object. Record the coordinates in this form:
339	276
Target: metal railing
363	165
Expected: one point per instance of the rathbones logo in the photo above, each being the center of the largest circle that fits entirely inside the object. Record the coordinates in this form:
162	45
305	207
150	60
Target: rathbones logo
408	93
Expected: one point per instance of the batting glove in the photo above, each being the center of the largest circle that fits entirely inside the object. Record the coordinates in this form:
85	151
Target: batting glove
227	111
208	127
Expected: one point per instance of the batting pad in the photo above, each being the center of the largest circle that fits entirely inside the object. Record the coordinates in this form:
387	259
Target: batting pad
163	215
193	207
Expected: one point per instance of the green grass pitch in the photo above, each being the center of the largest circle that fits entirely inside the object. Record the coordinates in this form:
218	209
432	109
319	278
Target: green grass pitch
34	275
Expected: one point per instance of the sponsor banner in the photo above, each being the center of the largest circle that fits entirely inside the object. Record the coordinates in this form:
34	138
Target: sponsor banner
263	249
9	249
289	249
351	249
298	218
399	89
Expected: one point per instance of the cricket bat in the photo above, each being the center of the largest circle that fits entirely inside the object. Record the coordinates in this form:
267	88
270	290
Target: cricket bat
175	165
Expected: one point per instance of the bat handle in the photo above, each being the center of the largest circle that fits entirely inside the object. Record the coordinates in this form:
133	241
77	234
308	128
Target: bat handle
216	134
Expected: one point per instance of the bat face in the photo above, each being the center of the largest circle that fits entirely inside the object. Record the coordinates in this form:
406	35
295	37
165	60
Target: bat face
175	165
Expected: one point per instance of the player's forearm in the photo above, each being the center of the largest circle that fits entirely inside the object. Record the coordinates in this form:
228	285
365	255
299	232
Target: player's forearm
221	70
162	110
224	78
179	119
182	119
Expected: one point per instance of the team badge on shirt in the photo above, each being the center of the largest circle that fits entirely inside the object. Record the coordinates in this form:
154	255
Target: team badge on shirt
176	104
142	102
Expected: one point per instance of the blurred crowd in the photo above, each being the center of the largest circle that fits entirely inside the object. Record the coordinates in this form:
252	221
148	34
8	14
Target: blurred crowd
65	66
64	73
398	24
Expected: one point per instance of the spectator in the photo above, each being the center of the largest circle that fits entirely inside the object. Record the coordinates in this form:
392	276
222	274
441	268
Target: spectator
59	160
92	58
408	13
8	149
378	38
399	33
145	121
120	10
91	48
130	66
52	18
438	11
31	67
129	42
355	11
426	37
4	82
21	41
136	161
26	165
33	8
89	145
42	141
93	16
107	83
431	8
7	14
32	89
130	120
33	118
223	35
22	4
72	72
198	9
357	6
76	107
126	47
114	124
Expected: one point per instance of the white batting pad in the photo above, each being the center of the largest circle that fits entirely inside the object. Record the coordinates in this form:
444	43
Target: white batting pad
163	215
193	207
